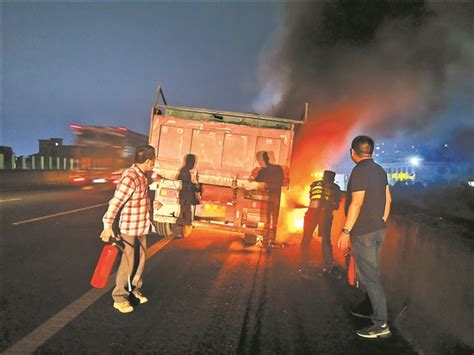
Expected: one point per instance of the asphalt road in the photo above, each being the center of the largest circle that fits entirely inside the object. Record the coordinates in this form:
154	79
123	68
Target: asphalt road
208	293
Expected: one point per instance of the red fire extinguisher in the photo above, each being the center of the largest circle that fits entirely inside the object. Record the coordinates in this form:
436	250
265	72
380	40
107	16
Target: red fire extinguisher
351	272
105	263
351	268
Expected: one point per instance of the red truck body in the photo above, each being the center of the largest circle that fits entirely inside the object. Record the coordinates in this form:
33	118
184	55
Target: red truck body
225	145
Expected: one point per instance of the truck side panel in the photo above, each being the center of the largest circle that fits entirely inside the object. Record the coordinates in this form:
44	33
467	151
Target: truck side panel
220	149
225	160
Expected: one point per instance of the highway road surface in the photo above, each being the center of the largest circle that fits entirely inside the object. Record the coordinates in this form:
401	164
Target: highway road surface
209	294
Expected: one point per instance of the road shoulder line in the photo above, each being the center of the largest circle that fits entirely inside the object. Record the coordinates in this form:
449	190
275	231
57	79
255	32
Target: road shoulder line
11	200
58	214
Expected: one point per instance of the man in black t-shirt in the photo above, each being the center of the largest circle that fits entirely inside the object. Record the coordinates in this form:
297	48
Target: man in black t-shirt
367	209
272	175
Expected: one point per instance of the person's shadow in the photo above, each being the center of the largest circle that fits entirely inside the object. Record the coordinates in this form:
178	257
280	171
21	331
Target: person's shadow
189	189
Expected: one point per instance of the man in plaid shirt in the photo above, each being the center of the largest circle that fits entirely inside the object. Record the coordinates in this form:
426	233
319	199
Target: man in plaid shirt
131	197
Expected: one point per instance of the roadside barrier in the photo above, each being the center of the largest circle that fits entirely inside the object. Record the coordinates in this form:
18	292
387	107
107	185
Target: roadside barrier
12	179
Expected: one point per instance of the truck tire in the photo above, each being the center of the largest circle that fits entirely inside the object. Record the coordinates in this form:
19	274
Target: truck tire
164	229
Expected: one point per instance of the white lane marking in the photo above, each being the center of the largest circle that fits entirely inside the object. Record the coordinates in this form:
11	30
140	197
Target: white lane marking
58	214
31	342
11	199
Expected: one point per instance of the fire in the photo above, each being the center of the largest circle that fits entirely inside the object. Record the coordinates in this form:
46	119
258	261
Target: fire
317	175
295	220
298	223
319	146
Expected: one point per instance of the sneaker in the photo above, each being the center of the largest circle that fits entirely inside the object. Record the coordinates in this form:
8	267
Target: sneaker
375	331
123	307
142	299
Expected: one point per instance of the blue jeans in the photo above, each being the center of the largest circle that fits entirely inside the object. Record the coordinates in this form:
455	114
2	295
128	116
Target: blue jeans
366	251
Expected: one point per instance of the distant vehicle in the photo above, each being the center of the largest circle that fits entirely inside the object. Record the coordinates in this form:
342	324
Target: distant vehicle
79	178
89	177
225	145
105	148
114	177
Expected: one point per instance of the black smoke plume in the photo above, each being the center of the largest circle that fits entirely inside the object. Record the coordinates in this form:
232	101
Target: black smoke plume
407	63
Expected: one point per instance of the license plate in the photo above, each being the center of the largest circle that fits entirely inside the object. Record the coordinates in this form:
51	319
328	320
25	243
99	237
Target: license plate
210	210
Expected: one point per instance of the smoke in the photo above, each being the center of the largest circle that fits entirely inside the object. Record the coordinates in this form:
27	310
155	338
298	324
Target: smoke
378	67
399	59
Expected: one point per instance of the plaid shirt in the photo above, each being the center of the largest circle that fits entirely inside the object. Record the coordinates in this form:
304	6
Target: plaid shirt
131	194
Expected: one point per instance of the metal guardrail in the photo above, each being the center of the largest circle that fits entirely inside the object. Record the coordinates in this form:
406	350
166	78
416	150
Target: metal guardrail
34	162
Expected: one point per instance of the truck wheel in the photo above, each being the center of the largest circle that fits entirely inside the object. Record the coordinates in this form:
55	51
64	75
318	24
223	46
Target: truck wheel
180	231
164	229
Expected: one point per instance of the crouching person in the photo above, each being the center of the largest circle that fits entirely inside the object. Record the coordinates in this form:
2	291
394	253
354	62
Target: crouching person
132	201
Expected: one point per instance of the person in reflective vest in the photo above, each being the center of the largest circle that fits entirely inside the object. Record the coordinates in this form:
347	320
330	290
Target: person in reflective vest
325	196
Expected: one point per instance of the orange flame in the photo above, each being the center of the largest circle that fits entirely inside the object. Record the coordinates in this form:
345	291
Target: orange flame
319	145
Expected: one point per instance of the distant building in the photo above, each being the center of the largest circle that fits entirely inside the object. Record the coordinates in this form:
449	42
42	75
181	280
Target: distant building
426	172
416	163
54	147
52	154
411	163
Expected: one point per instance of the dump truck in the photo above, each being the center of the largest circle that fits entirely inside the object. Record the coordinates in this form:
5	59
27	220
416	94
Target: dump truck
224	147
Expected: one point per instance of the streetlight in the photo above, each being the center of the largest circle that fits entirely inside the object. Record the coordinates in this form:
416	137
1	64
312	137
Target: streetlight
414	161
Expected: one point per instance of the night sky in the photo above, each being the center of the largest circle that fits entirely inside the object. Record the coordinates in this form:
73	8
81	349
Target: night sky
396	70
100	63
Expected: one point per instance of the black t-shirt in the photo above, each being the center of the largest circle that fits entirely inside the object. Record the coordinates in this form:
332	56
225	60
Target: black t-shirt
370	177
273	176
